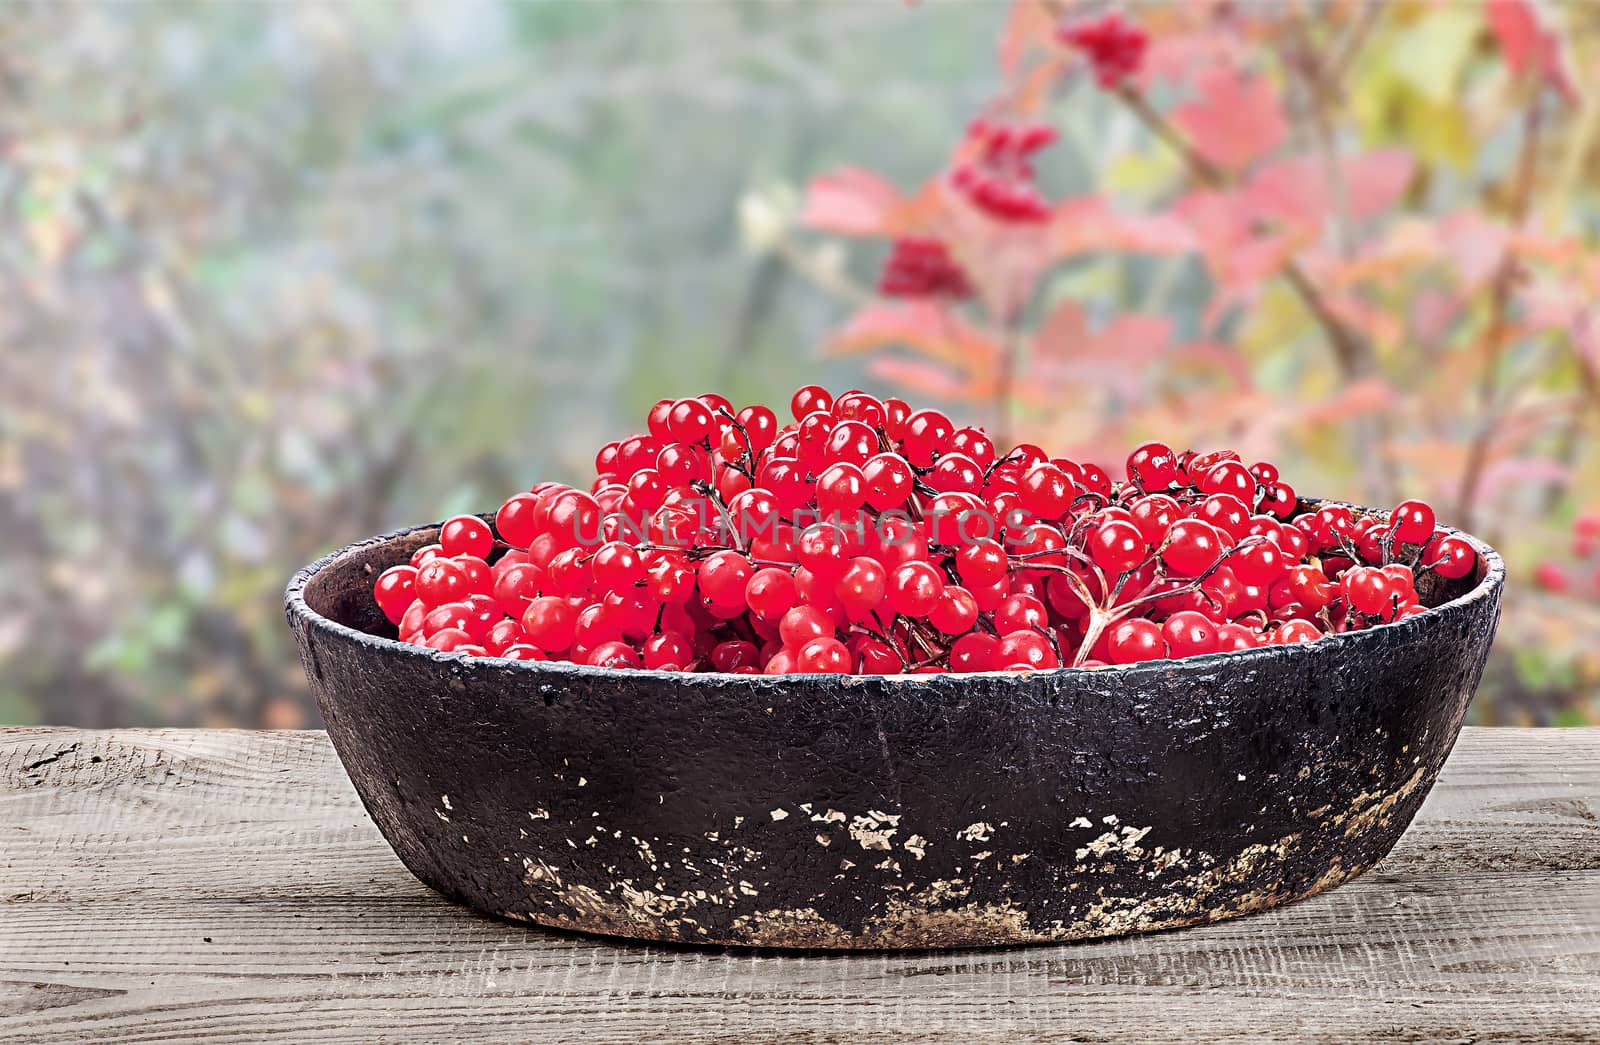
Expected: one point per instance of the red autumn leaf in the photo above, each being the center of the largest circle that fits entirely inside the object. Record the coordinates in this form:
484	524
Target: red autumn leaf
1475	244
1297	189
1065	328
923	378
1134	339
930	327
854	202
1531	42
1088	224
1176	57
1257	260
1219	219
1234	120
1376	180
1224	224
1368	396
1114	357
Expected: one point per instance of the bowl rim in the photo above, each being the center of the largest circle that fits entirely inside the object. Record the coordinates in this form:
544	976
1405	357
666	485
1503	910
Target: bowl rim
302	614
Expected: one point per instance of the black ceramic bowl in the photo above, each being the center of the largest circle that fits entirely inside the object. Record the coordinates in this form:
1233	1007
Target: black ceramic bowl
887	812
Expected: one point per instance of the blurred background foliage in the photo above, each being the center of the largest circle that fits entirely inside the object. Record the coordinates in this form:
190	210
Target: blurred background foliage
278	276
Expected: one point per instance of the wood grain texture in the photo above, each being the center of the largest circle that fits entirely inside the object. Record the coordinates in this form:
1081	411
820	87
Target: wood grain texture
229	887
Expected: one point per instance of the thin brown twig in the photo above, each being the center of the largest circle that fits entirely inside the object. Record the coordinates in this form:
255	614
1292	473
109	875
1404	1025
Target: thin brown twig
1158	125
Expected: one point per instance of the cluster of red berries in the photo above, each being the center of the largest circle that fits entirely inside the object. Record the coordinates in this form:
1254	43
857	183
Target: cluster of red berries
921	267
870	538
1114	47
1582	575
999	181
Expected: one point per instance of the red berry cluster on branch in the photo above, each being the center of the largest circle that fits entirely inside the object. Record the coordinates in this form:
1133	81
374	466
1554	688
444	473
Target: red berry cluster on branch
921	267
867	537
1113	46
1000	181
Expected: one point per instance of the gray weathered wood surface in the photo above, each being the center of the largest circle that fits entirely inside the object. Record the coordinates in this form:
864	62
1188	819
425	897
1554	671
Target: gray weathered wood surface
228	886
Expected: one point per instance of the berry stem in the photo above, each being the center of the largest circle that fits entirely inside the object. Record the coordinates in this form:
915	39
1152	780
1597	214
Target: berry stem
930	649
710	493
746	465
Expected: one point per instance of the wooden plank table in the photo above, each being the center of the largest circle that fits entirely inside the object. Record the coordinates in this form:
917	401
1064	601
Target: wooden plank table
229	886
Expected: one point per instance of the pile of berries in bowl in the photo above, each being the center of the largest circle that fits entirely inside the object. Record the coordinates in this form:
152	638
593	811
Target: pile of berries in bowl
864	537
862	679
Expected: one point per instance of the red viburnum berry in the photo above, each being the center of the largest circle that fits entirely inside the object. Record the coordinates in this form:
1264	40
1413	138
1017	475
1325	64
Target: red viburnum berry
1113	46
871	537
999	181
922	267
1412	522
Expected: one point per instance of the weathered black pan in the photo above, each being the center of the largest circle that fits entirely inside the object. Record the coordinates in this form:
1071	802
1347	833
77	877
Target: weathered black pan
930	811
